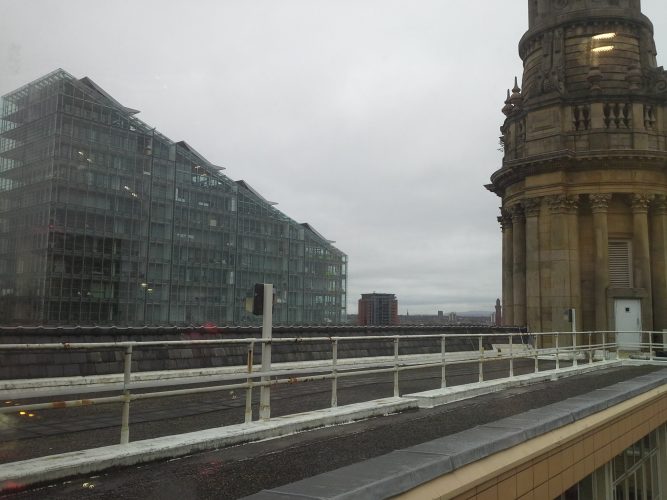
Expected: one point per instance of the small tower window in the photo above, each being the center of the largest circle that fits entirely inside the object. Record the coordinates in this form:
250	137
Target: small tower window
601	44
605	36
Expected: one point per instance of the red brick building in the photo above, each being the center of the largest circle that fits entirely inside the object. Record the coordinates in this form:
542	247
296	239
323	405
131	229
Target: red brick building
378	309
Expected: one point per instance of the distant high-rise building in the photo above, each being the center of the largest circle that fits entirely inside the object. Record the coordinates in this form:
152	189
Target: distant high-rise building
378	309
103	220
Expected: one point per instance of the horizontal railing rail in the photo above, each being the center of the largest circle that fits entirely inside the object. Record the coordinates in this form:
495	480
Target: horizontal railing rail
249	329
582	347
275	340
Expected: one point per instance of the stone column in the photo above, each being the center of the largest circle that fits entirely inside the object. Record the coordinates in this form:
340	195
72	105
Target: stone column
505	220
572	209
659	261
600	206
565	289
533	284
641	254
519	275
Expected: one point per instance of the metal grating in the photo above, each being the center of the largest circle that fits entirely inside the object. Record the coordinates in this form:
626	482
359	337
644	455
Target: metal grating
620	263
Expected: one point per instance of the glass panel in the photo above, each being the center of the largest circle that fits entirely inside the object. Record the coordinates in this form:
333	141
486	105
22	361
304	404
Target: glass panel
618	467
586	488
120	198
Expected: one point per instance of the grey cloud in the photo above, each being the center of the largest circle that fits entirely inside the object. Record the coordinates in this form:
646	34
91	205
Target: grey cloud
374	120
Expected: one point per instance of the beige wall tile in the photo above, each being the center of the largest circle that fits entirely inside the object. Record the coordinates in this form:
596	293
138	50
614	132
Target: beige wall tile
540	472
507	488
524	481
567	478
488	494
555	486
541	492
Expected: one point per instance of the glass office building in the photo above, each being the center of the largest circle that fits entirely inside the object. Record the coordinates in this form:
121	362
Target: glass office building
103	220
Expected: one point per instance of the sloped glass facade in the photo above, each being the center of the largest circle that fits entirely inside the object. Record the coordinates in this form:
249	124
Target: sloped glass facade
103	220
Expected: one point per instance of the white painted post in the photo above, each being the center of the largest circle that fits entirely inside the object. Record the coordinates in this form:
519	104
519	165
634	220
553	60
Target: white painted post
396	391
248	391
125	418
334	373
574	338
557	351
443	349
267	322
604	346
481	360
537	366
511	355
590	348
650	346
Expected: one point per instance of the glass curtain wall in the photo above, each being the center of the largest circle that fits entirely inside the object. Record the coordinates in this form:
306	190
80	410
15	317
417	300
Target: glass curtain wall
28	141
103	220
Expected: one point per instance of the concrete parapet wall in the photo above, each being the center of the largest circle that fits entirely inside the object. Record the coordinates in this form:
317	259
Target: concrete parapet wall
34	363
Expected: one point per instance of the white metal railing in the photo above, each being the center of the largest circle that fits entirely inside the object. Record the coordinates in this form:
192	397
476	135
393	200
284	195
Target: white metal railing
557	346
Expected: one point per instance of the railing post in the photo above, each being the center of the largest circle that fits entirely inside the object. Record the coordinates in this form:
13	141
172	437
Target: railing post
537	364
125	418
248	391
334	373
511	355
396	391
557	351
604	346
574	349
443	349
650	346
590	348
267	323
481	360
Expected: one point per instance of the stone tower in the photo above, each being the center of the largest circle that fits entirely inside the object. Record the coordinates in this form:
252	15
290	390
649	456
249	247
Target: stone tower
584	175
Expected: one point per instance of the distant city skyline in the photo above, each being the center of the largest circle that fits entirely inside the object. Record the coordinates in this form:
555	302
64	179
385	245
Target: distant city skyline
376	121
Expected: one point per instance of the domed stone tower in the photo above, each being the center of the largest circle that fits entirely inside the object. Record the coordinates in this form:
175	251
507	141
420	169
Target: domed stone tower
584	175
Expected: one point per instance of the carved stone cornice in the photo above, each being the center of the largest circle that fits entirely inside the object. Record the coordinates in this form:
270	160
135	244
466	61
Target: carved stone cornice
517	170
657	81
505	220
599	202
659	205
532	206
518	214
640	202
562	204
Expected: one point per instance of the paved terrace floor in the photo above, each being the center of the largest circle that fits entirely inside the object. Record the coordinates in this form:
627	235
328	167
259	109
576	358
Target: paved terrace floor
240	471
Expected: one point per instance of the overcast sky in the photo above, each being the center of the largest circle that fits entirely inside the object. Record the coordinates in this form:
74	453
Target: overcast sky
374	120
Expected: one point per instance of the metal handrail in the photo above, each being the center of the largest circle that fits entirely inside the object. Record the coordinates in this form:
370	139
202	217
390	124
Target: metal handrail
387	364
283	340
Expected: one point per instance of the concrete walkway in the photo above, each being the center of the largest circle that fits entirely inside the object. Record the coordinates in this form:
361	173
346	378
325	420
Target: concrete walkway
395	473
50	468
